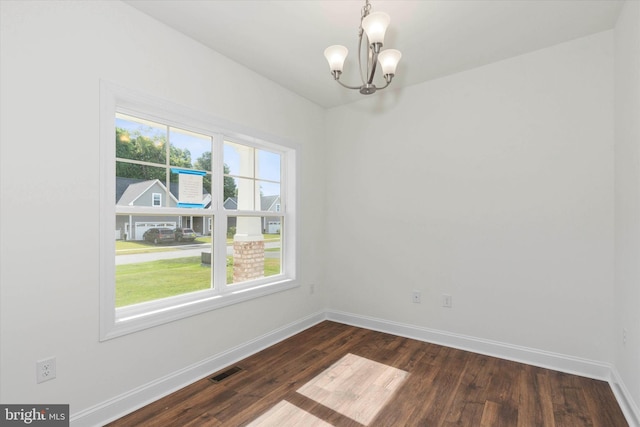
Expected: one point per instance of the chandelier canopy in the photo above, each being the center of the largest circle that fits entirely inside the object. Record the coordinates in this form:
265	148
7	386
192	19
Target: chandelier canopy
373	26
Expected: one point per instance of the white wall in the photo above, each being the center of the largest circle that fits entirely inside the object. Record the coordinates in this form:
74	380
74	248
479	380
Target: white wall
627	197
53	57
495	186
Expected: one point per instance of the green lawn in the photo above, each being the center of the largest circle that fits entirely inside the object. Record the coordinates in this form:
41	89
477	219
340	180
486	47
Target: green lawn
147	281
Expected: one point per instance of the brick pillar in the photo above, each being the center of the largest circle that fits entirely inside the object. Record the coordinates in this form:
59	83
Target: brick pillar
248	260
248	242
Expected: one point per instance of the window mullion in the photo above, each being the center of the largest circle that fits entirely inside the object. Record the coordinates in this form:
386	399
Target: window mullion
219	240
167	151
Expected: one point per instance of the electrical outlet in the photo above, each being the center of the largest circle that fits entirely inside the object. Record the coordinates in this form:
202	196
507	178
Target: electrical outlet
312	288
415	297
447	301
45	369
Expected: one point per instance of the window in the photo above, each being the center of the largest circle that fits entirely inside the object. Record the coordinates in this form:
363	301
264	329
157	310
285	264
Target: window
204	215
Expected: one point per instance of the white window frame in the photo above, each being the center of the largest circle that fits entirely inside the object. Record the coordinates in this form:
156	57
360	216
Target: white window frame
116	322
153	200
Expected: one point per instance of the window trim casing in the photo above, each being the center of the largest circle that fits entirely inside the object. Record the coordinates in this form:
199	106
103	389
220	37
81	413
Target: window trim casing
117	322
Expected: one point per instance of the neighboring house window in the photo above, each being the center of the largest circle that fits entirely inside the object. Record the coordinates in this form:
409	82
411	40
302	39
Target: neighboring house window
174	166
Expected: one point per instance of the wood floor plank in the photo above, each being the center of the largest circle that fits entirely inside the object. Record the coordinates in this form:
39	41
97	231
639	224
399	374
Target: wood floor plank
598	395
569	405
322	412
409	401
450	366
535	407
470	402
503	389
443	387
490	414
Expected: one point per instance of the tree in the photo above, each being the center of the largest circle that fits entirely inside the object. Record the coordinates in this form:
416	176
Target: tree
204	163
141	147
230	189
180	157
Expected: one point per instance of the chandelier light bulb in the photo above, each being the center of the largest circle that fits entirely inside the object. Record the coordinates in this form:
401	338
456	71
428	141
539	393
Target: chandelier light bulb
375	25
389	59
336	55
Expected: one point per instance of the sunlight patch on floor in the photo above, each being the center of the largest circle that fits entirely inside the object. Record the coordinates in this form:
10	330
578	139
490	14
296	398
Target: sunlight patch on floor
355	387
284	414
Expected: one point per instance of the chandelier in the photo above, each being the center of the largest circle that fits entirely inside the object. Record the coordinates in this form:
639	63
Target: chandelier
373	26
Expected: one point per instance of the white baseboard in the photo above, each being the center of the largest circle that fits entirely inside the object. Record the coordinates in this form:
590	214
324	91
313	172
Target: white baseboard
123	404
558	362
628	406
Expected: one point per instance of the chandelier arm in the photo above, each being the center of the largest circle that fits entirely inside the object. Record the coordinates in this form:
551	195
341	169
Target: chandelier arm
388	83
373	67
387	78
362	72
347	86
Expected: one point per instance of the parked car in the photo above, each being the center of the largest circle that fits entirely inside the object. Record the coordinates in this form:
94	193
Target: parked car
159	235
184	234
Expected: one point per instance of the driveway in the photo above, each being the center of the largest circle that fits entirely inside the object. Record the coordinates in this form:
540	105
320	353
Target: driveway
184	251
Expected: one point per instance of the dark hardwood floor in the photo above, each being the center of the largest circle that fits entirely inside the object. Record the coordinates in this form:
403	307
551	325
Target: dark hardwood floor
430	386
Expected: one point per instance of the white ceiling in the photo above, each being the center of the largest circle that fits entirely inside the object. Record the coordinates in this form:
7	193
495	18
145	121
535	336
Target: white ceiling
284	40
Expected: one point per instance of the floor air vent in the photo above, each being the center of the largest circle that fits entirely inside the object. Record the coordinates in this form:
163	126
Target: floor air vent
226	374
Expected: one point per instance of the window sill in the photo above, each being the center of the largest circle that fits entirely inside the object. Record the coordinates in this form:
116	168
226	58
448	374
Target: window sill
143	316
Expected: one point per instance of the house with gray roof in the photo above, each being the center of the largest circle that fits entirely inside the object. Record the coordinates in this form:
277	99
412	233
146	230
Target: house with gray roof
139	192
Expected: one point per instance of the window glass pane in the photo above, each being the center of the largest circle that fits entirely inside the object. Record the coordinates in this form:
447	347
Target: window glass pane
230	187
189	190
141	140
190	150
231	203
268	166
243	164
254	248
240	159
193	150
269	191
140	173
160	256
207	188
248	196
136	184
